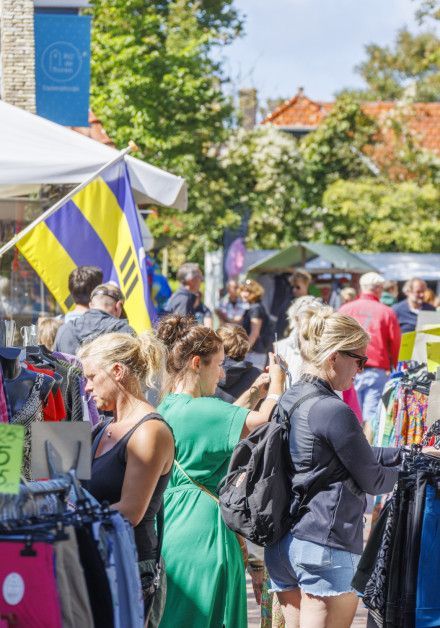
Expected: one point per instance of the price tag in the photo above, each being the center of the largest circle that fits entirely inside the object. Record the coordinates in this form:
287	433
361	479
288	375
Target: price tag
11	457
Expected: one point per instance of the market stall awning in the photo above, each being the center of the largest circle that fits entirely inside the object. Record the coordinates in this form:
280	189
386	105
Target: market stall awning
338	259
403	266
35	151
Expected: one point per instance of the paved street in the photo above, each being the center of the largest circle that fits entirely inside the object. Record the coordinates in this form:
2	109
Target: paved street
360	620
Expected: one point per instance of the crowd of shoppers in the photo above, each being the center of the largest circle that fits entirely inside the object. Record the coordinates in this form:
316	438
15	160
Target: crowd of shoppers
215	390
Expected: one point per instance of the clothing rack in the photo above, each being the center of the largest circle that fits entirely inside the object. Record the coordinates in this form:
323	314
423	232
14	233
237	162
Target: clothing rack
395	574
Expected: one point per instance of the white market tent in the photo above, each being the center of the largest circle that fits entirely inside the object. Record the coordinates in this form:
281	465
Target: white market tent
35	151
403	266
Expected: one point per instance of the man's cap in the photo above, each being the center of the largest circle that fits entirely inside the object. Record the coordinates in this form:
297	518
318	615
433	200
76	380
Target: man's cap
371	280
108	290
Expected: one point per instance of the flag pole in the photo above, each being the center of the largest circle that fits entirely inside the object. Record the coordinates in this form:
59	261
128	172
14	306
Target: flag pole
19	236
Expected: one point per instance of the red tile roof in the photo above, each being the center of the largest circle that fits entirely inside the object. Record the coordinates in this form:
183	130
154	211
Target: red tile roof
95	130
303	113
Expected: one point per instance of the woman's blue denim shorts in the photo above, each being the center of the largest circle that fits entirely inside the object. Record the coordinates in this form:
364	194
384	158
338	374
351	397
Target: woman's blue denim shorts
317	569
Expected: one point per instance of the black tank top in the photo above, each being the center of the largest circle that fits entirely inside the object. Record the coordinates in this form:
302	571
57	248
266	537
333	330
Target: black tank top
108	471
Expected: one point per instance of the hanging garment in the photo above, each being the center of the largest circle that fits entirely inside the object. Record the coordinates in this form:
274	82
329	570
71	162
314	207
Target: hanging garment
432	436
428	599
374	589
96	579
5	410
71	360
54	409
396	576
104	544
28	591
74	598
31	411
131	602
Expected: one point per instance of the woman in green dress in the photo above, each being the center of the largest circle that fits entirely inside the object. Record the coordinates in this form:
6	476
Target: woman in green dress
204	565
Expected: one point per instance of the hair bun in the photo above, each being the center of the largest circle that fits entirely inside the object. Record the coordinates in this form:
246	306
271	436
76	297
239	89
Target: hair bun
313	322
173	328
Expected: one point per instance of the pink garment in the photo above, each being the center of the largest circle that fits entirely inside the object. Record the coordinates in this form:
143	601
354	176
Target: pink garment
28	590
4	414
351	399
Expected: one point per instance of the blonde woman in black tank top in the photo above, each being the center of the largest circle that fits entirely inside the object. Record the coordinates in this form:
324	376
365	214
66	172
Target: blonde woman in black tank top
133	452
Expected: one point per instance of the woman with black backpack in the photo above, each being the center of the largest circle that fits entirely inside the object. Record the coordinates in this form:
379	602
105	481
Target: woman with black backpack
312	566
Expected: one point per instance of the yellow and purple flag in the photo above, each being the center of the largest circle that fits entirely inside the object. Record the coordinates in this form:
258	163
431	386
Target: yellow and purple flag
98	226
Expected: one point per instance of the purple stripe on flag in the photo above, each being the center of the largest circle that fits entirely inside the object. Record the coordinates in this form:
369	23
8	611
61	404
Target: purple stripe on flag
74	232
118	181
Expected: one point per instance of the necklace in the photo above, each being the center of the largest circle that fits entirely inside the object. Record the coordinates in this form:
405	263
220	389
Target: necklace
108	433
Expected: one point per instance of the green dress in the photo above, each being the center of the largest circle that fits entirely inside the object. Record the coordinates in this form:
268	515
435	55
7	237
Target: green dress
205	573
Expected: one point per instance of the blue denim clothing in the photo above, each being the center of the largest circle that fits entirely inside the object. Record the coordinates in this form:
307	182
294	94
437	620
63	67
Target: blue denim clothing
317	569
105	544
428	600
131	601
369	386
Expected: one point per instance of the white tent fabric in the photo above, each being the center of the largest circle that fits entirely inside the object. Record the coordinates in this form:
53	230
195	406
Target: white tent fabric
35	151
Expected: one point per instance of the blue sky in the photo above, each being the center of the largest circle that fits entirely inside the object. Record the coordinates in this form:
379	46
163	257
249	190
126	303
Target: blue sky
310	43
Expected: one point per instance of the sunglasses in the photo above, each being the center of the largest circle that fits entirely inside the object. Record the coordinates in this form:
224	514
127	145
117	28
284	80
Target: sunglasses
360	359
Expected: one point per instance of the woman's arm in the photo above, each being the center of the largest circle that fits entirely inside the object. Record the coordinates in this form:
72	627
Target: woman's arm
150	454
343	432
256	324
255	393
276	387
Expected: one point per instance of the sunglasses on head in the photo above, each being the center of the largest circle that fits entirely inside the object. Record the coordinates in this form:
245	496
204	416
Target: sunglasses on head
360	359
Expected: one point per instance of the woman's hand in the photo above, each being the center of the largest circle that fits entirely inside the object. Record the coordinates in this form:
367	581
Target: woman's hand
262	384
276	372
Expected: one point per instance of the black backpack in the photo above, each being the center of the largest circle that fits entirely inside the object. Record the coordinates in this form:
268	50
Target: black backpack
256	497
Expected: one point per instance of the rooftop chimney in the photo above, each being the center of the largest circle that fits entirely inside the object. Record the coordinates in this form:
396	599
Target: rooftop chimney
248	107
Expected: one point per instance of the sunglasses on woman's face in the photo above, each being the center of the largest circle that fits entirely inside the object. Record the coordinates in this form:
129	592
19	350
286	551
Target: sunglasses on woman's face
360	359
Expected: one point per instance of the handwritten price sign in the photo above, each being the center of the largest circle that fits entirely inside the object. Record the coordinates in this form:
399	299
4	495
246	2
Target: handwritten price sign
11	457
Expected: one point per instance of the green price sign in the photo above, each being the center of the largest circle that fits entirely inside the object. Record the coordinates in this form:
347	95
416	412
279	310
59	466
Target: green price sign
11	457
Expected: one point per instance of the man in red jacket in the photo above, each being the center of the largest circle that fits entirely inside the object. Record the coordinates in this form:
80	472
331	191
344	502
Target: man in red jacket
382	324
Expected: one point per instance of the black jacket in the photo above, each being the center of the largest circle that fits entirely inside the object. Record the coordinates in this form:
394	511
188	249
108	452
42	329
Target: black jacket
324	431
181	302
87	327
239	377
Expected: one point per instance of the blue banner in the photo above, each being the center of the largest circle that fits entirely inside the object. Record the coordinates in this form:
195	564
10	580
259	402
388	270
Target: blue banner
62	68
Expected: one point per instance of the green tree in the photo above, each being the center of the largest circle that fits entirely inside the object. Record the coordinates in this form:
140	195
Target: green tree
381	216
154	80
412	64
334	150
262	170
428	9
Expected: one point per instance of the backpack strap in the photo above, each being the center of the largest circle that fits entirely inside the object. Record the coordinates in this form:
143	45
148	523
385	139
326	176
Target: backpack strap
286	416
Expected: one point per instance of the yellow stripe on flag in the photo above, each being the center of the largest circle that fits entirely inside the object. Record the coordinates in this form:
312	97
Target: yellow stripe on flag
100	207
49	260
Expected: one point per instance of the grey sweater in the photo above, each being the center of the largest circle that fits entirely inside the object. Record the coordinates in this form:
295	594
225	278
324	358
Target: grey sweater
87	327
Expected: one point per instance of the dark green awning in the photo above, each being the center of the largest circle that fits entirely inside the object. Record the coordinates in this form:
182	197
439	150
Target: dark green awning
341	260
